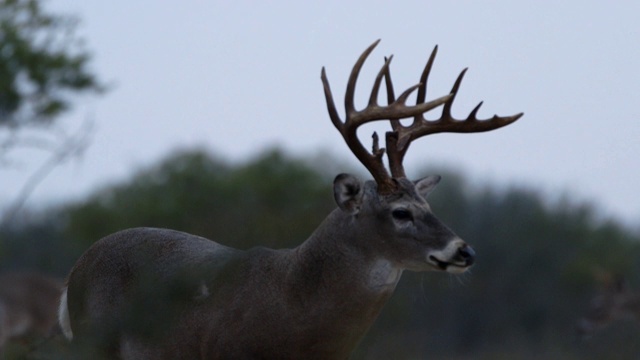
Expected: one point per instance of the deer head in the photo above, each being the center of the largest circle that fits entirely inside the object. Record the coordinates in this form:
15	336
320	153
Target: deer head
404	199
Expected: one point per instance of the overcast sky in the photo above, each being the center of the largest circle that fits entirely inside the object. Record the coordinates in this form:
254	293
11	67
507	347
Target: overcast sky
239	77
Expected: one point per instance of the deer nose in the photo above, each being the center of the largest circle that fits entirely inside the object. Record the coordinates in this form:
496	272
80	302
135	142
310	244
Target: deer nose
467	254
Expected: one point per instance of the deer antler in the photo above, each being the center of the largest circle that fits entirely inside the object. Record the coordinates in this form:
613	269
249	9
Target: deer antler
354	118
398	140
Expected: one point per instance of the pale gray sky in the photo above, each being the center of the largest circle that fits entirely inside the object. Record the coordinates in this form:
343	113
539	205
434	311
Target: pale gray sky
239	76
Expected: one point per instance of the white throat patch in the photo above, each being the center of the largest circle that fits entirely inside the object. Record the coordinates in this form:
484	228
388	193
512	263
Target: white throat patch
383	275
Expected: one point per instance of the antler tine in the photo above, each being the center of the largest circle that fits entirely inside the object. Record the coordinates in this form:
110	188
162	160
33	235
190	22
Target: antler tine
395	153
331	106
353	78
397	110
447	123
373	98
424	77
394	156
348	128
391	97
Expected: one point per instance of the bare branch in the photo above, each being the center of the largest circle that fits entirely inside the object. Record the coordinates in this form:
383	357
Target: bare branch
72	147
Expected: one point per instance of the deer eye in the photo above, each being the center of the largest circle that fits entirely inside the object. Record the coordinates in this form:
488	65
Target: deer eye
402	214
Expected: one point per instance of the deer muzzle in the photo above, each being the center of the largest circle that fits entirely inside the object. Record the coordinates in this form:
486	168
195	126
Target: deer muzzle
456	257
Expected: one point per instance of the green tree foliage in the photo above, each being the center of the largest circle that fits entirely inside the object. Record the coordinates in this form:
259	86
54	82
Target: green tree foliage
532	280
272	201
42	62
44	65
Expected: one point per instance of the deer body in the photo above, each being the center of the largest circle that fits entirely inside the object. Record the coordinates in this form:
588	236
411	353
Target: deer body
614	302
313	301
161	294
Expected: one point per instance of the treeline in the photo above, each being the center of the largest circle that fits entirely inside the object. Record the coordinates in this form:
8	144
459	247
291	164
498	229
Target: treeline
533	278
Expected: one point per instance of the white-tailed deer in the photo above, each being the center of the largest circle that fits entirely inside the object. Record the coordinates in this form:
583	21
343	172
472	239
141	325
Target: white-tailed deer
614	302
150	293
28	305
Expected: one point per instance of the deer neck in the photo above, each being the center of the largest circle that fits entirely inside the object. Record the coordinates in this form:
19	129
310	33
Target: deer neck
334	263
336	286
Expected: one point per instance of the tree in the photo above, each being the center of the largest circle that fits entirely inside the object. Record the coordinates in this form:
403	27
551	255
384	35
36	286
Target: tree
43	65
282	199
532	282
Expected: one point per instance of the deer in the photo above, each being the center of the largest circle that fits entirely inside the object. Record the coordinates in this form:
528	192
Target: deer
149	293
28	305
614	302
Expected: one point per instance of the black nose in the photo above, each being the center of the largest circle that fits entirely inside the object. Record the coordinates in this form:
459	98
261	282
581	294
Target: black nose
467	253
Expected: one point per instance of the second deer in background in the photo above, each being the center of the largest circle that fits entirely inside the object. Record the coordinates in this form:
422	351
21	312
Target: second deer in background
28	305
614	302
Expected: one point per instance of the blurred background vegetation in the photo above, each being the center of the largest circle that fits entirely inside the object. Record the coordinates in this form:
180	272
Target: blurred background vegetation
536	256
533	279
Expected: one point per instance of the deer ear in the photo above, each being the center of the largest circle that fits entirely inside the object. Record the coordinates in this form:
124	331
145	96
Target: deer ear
426	184
347	191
